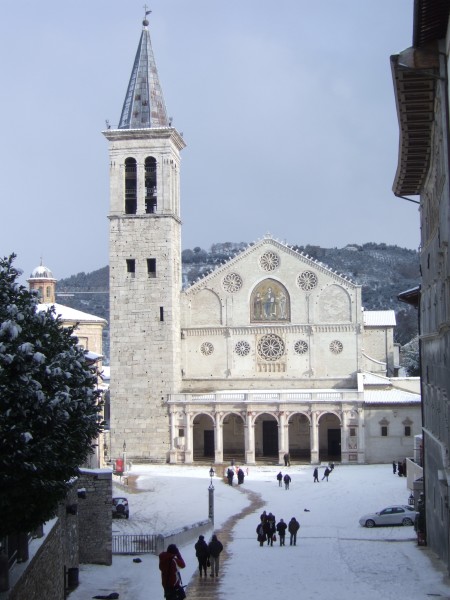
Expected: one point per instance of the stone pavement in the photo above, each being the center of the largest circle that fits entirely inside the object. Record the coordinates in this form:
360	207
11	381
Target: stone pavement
209	588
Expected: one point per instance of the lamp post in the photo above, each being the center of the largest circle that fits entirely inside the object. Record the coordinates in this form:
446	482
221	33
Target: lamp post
124	456
211	497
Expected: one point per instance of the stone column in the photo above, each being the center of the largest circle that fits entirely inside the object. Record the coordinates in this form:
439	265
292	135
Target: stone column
188	450
172	450
314	438
361	437
283	442
249	439
218	438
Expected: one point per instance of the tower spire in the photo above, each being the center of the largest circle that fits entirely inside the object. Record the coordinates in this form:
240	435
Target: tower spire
144	105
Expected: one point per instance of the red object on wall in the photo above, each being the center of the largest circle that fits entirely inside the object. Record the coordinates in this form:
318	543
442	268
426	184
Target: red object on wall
119	465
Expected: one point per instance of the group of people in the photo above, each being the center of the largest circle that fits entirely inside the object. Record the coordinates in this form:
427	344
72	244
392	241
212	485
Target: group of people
239	473
284	478
399	467
170	561
267	530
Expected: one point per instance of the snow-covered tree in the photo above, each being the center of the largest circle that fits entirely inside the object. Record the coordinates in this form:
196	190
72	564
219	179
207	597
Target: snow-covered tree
49	413
410	357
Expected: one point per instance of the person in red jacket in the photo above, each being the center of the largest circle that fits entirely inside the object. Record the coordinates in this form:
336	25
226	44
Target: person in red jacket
169	563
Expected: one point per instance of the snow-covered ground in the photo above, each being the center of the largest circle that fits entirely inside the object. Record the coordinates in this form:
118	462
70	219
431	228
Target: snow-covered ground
334	558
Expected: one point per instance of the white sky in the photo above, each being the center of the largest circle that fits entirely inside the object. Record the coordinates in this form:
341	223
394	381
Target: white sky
333	551
287	109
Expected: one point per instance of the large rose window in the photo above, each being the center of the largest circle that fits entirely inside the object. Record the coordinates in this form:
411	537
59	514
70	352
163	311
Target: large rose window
271	347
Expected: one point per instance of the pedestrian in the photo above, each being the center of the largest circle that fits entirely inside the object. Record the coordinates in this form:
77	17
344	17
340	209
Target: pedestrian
287	481
263	516
202	554
404	468
261	534
326	473
230	475
280	479
316	475
240	476
281	528
400	469
169	563
331	465
287	460
269	528
215	547
293	527
394	467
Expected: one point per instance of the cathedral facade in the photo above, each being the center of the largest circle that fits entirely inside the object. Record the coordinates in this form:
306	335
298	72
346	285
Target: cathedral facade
270	353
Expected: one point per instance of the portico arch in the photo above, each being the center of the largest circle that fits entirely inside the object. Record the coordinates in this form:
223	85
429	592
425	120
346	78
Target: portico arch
233	438
329	437
203	437
299	435
266	436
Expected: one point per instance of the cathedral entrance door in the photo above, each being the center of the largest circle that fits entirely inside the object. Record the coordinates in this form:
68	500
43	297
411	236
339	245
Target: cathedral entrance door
270	438
334	443
208	443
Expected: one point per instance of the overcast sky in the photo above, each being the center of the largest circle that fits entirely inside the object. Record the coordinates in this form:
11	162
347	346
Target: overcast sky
287	109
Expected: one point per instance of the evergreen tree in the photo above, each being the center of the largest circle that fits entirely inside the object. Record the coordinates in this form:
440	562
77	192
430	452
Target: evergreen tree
49	412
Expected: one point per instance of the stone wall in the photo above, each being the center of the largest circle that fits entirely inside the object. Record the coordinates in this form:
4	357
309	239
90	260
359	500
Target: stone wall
95	517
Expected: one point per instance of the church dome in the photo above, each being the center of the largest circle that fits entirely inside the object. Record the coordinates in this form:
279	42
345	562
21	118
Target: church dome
41	272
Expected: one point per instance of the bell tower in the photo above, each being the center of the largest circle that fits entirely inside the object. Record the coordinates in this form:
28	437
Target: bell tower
145	264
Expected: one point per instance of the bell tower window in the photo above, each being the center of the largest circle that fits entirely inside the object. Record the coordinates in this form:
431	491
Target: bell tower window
130	186
150	185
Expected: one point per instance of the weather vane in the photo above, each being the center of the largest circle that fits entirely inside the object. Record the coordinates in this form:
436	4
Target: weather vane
147	12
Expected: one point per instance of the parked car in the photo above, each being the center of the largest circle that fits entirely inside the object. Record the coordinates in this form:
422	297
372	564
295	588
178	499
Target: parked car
400	514
120	507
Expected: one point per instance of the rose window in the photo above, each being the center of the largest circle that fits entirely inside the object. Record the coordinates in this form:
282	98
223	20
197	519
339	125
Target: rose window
206	348
269	261
301	347
271	347
242	348
232	283
336	347
307	281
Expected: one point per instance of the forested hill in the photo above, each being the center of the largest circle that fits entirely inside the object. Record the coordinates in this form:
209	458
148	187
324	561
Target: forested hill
383	271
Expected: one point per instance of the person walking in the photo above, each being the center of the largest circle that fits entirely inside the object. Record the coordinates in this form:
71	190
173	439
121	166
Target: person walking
215	547
261	534
202	554
281	528
287	481
394	467
169	563
269	529
230	475
326	473
293	527
240	476
280	479
287	460
400	469
316	475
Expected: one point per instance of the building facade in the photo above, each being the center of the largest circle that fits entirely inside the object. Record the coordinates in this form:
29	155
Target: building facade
270	353
420	75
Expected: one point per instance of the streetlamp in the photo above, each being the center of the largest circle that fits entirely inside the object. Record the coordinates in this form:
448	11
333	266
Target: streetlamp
211	497
124	456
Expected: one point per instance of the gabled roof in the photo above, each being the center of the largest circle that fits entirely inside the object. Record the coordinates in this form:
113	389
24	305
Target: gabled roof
379	318
70	314
144	105
392	396
256	247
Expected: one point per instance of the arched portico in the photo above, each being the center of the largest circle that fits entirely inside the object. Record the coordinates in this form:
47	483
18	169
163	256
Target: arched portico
329	436
266	436
299	437
203	438
233	436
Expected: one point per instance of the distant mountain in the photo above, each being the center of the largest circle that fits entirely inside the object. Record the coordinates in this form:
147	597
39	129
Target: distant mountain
383	271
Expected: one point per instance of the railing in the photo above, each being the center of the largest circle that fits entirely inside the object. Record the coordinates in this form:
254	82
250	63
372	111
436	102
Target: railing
134	544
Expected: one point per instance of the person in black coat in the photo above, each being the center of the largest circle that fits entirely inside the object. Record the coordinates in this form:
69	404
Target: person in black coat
240	476
316	475
260	533
287	481
326	473
215	547
202	554
281	528
280	479
293	527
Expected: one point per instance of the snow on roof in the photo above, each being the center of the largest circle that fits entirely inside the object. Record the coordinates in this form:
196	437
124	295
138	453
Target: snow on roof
379	318
372	379
393	396
70	314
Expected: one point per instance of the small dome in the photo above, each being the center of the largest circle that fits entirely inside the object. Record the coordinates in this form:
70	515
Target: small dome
41	272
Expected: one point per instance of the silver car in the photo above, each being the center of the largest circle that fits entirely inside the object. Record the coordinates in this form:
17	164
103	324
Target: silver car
400	514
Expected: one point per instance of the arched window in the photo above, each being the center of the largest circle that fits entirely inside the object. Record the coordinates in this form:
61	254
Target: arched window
270	302
49	291
150	185
130	186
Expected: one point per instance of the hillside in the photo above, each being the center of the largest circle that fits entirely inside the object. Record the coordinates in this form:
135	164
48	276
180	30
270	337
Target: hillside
383	271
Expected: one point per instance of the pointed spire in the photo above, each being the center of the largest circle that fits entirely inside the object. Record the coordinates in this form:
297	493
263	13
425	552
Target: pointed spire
144	105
